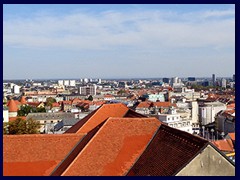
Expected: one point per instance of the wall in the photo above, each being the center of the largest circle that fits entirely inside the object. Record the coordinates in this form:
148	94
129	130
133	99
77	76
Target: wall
208	163
5	116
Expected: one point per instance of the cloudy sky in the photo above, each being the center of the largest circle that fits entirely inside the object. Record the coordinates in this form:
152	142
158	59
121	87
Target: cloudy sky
118	41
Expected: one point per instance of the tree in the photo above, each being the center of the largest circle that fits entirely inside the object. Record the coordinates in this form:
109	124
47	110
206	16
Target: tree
24	110
49	101
90	98
20	126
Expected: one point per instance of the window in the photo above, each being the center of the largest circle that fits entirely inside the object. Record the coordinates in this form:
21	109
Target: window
51	121
172	118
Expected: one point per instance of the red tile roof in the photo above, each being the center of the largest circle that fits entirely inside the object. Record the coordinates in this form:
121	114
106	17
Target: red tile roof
115	147
35	104
112	146
55	104
76	101
23	100
168	152
35	155
12	106
224	145
231	106
145	104
164	104
102	113
232	136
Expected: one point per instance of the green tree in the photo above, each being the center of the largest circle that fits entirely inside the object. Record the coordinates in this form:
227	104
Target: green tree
20	126
5	128
49	101
90	98
24	110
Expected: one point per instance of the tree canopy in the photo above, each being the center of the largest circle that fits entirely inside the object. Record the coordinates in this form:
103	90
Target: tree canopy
50	100
26	109
20	126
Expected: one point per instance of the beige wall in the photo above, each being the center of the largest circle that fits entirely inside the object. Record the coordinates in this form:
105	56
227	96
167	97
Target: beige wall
208	163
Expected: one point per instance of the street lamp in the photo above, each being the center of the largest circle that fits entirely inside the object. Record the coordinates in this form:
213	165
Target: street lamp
222	134
212	131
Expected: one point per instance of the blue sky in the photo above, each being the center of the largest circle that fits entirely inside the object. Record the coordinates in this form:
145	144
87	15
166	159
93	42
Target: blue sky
118	41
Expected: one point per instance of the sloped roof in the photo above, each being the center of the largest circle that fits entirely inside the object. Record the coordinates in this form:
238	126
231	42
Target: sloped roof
145	104
98	116
35	155
55	104
34	104
12	106
23	100
224	145
168	152
114	148
47	116
232	136
65	122
164	104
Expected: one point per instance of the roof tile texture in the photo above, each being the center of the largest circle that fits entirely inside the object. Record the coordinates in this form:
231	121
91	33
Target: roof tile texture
40	153
115	147
103	113
224	145
168	152
12	106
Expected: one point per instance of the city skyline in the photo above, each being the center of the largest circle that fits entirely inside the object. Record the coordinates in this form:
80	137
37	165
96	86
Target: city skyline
118	41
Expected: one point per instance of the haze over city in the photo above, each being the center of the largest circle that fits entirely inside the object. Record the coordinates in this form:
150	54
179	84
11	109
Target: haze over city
118	41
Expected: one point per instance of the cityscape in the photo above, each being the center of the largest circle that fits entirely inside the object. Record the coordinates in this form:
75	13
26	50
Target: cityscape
125	103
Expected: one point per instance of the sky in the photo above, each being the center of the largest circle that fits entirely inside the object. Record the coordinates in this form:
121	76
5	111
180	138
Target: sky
50	41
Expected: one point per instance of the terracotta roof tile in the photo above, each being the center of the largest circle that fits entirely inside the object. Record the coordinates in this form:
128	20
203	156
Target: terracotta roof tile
168	152
55	104
102	113
164	104
145	104
224	145
12	106
23	100
114	148
232	136
35	154
35	104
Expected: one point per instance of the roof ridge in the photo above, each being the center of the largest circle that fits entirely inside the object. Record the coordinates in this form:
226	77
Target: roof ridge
127	173
93	115
97	129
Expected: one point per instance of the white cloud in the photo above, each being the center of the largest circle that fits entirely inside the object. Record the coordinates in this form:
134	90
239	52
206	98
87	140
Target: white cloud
111	29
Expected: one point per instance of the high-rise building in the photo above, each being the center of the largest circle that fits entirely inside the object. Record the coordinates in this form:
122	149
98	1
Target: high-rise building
213	80
72	83
234	77
66	82
60	82
224	83
16	89
88	90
